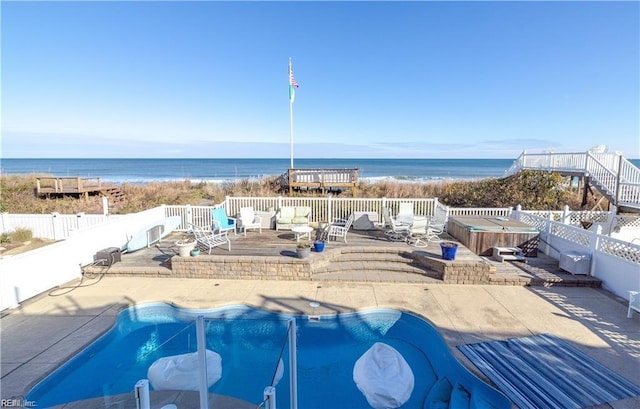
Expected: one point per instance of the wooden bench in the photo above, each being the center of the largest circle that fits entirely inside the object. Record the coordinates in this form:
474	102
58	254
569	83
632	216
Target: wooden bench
634	303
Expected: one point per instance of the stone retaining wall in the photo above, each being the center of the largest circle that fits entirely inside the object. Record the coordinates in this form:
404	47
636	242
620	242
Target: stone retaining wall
241	267
458	272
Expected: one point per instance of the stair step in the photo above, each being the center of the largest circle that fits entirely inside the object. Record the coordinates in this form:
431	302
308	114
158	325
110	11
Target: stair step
376	276
372	265
378	267
115	193
366	257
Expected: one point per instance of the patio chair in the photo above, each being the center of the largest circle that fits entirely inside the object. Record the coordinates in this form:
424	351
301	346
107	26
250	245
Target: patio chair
405	213
338	229
436	224
206	240
222	222
395	230
249	220
418	232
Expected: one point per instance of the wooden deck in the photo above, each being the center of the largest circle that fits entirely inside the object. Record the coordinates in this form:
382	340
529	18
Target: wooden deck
74	186
369	256
322	179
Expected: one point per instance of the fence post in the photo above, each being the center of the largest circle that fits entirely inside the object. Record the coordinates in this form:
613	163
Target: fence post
586	161
516	213
189	214
548	229
105	206
4	219
566	215
80	220
55	224
618	177
329	209
279	203
593	244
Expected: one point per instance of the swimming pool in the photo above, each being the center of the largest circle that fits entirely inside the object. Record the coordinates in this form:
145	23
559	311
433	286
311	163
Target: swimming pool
252	342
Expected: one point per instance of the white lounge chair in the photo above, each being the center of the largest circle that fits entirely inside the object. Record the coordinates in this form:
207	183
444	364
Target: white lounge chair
249	220
207	240
340	228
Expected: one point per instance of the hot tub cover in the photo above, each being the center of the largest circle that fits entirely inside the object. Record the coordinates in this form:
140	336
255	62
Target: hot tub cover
180	372
383	376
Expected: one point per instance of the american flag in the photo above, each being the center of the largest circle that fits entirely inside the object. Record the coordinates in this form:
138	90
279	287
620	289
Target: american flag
292	81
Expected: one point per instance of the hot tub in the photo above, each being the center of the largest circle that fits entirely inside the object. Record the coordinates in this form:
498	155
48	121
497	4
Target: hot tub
481	233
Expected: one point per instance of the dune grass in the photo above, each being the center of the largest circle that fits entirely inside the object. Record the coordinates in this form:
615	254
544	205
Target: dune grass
532	190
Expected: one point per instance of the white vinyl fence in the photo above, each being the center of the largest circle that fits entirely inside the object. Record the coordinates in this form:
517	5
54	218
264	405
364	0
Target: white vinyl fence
54	226
25	275
616	262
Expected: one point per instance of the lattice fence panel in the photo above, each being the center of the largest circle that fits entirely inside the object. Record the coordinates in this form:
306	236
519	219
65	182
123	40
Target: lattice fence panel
628	221
556	216
571	234
594	217
533	220
620	249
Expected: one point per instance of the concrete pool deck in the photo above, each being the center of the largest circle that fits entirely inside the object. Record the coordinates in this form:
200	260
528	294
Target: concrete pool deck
44	332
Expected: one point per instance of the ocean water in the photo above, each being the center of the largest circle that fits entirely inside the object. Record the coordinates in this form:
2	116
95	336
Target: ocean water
215	170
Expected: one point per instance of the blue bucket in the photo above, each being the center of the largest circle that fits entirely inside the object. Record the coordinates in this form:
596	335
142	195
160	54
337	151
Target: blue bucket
449	250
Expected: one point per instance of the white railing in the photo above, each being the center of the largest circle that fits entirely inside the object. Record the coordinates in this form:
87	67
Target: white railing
615	262
325	209
498	211
616	175
52	226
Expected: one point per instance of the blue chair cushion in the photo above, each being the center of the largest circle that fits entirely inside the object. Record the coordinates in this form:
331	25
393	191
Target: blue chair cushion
220	215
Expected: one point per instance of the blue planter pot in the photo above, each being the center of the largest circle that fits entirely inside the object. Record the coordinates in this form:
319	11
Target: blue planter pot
449	250
318	246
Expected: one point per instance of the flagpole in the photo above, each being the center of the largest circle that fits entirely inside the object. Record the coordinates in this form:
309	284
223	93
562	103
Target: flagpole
290	115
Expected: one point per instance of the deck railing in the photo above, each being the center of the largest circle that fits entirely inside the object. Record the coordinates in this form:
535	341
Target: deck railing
66	184
328	176
58	226
618	177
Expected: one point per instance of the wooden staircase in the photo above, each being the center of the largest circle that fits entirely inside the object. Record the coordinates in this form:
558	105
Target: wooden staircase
617	179
114	193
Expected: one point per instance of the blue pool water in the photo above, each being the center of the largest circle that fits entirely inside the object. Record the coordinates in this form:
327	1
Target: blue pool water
251	342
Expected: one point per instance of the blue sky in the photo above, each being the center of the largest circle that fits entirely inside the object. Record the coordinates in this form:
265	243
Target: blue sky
377	79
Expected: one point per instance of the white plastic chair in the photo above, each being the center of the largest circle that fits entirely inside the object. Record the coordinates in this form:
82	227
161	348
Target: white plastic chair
249	220
405	213
338	229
